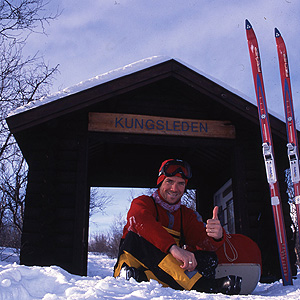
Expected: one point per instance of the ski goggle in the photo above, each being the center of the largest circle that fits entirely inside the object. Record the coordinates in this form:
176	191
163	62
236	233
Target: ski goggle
176	166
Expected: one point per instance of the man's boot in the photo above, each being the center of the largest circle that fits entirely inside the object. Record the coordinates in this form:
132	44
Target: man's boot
229	285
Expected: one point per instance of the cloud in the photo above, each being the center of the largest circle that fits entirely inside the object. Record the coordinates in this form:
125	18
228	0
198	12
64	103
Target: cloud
93	37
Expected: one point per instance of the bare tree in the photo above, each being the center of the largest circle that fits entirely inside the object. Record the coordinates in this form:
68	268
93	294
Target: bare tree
22	80
99	200
291	195
189	199
109	243
99	243
116	232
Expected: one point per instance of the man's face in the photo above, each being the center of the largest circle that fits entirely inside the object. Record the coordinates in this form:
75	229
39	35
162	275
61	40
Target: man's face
172	189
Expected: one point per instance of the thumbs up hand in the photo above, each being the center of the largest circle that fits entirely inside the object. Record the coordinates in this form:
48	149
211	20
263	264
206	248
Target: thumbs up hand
215	213
213	226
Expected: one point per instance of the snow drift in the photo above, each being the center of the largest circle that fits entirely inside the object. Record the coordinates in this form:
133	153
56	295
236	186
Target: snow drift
19	282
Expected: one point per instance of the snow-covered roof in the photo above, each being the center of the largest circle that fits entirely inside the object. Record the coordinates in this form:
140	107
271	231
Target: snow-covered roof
106	77
120	72
97	80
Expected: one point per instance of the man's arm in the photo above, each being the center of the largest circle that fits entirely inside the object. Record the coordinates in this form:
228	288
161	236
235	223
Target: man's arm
187	258
141	220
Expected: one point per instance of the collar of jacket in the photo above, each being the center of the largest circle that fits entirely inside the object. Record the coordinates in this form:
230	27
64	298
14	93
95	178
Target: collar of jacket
169	207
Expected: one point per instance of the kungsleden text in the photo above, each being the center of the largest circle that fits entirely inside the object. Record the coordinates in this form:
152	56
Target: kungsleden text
162	125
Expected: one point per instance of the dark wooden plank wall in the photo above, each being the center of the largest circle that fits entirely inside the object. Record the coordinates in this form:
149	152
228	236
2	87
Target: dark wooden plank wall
253	203
57	199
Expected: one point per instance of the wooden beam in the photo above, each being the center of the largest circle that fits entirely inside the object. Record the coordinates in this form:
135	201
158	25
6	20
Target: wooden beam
141	124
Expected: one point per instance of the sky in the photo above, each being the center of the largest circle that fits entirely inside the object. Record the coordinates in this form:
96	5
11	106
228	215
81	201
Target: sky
92	37
115	211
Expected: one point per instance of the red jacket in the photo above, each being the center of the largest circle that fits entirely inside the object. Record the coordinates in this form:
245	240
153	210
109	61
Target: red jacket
141	219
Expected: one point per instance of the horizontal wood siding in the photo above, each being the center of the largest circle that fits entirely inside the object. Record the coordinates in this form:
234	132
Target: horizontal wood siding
57	197
255	211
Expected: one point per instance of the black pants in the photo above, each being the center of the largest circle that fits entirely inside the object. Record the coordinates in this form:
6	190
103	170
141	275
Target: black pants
137	252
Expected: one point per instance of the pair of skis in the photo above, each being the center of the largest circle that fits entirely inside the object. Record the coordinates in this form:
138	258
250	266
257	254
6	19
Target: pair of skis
267	143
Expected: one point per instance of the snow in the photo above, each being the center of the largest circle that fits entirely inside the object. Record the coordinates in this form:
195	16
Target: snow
118	73
97	80
53	283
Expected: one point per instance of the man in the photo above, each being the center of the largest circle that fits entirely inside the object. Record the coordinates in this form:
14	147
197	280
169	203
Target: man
168	242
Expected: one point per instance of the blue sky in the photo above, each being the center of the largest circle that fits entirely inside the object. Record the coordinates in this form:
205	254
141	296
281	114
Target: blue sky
120	203
92	37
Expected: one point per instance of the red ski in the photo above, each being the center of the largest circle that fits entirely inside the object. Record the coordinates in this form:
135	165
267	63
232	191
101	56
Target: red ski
292	146
268	154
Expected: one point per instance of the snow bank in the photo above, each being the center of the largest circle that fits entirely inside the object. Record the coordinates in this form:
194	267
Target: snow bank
19	282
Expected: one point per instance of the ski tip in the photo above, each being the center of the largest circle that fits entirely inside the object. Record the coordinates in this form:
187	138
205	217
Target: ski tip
248	25
277	33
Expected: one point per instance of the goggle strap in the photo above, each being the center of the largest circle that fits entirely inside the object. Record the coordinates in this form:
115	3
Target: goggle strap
179	170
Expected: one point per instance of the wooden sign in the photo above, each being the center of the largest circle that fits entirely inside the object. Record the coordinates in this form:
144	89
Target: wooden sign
140	124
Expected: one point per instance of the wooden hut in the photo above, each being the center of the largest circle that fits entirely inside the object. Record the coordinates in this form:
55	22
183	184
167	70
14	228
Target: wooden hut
115	130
